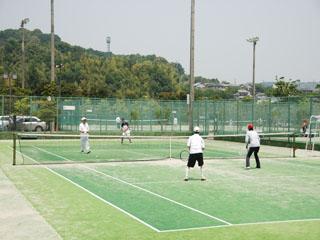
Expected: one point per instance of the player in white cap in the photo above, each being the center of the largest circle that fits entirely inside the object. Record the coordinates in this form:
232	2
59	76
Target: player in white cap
196	146
84	135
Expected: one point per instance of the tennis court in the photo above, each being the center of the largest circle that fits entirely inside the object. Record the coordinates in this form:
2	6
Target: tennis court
55	148
154	193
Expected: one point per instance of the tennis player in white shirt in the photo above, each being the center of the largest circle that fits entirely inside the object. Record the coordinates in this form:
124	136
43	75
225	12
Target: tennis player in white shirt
84	135
253	142
196	147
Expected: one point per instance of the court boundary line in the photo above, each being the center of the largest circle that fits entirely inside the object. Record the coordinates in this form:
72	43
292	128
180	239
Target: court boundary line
153	228
112	160
142	189
241	224
93	194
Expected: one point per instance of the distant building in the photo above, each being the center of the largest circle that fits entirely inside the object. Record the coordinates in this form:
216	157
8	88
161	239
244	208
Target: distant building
242	93
217	86
307	87
199	85
260	97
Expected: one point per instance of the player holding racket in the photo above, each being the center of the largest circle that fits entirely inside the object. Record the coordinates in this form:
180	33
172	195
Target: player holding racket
253	141
196	147
125	130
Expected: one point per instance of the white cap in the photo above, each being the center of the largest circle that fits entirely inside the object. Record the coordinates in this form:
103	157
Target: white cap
196	129
83	118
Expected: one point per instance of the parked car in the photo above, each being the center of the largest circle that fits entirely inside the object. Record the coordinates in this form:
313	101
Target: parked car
30	123
5	123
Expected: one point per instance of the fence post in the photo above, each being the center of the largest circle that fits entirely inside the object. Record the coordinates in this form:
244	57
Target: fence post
237	116
270	116
206	116
289	119
310	114
224	116
14	136
2	106
57	114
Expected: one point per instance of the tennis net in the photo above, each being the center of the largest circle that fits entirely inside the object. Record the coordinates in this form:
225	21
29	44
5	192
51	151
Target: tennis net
34	148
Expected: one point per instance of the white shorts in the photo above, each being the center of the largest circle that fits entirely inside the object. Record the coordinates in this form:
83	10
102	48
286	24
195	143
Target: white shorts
126	133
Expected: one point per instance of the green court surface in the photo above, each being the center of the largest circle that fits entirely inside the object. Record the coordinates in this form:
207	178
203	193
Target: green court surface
106	150
150	200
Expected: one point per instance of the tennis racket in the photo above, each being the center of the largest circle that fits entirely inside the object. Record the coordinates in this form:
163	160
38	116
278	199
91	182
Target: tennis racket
184	155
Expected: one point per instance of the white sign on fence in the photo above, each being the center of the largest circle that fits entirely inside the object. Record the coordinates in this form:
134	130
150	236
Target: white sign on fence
69	108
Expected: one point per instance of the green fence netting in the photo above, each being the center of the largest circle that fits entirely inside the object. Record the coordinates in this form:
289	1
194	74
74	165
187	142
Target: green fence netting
218	117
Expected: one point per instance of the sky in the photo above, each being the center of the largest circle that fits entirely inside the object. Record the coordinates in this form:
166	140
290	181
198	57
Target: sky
289	32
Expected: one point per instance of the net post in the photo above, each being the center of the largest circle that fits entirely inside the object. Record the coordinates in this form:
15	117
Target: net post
170	151
294	147
14	137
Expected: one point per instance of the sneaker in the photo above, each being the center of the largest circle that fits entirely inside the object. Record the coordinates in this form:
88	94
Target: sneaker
247	168
88	152
186	179
203	179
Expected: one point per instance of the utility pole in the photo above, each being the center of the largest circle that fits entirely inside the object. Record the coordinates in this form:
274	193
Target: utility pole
191	80
52	43
108	40
60	67
23	22
254	41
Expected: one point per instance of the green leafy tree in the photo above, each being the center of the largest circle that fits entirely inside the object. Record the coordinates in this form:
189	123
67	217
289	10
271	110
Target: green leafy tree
47	111
22	106
284	88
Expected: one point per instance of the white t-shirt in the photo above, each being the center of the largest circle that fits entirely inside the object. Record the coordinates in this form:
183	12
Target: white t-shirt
196	144
252	139
84	128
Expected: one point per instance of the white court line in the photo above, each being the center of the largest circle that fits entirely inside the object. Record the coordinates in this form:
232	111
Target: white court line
173	230
215	180
241	224
93	194
80	162
145	190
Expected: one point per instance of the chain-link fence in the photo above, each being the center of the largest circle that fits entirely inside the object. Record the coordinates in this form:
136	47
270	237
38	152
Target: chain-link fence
218	117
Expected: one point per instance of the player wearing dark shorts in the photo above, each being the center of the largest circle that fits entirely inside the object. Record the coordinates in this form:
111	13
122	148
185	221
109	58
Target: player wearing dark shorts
193	158
196	147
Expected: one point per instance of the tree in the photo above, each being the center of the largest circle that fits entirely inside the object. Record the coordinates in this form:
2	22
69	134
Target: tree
284	88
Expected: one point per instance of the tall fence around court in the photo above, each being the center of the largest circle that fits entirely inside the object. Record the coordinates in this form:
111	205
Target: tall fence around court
218	117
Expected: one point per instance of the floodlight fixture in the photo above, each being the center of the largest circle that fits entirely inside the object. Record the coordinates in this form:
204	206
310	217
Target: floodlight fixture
24	22
253	40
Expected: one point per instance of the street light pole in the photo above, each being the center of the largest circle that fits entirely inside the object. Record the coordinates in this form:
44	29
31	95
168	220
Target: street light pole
59	66
52	42
191	80
254	41
108	40
23	22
